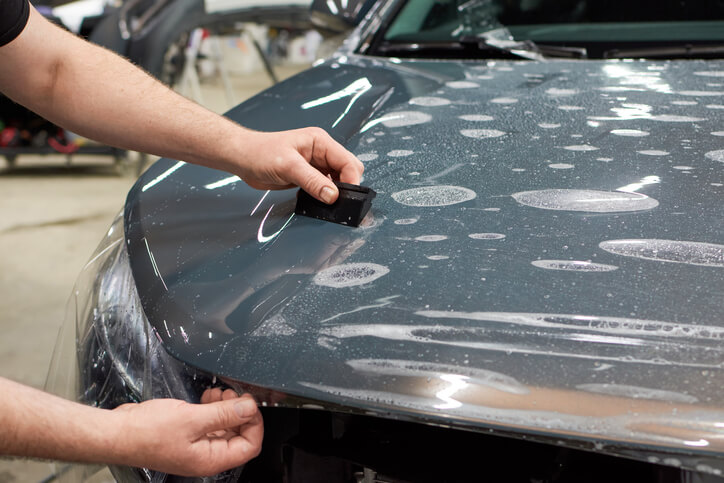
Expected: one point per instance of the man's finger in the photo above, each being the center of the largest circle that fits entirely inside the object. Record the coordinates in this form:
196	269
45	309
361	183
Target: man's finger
313	181
329	154
211	395
225	414
241	448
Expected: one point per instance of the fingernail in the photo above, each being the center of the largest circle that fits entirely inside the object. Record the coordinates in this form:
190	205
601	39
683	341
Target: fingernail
327	195
245	408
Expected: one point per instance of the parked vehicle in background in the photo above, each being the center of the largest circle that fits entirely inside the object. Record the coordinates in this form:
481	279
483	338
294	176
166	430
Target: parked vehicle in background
536	294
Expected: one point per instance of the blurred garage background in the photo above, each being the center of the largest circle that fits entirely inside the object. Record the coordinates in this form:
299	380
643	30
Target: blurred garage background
59	192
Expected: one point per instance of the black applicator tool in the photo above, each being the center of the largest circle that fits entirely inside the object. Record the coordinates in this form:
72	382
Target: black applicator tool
350	208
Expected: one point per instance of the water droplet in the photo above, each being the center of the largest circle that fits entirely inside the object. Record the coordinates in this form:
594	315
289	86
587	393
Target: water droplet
481	133
434	196
555	92
629	132
462	85
585	200
367	157
486	236
350	274
429	101
581	147
573	265
405	118
399	153
716	155
653	152
689	252
475	117
406	221
673	118
431	238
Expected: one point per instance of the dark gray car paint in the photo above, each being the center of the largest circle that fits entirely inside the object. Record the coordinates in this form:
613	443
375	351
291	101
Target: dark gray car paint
630	356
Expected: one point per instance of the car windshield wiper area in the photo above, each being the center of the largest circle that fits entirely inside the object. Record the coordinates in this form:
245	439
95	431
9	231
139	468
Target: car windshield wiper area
684	51
476	47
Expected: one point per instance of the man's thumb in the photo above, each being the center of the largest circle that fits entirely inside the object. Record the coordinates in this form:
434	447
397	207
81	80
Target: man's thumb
227	414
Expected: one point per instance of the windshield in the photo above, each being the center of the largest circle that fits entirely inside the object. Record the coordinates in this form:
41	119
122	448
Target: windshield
600	26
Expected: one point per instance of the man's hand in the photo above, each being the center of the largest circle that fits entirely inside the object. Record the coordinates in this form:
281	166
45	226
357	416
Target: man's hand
95	93
303	157
176	437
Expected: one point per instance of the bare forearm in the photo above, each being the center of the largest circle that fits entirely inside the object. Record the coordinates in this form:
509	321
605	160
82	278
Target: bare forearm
97	94
39	425
121	105
94	92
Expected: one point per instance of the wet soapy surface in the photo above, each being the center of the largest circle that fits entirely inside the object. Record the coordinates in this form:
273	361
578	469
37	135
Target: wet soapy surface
531	241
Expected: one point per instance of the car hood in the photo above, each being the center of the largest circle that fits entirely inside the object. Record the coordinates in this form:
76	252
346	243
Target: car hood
543	255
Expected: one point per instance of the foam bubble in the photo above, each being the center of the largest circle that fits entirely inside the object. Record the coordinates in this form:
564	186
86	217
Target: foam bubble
573	265
581	147
350	274
367	157
555	92
437	257
434	196
629	132
481	133
585	200
689	252
399	153
406	221
462	85
405	118
486	236
653	152
717	155
476	117
561	166
431	238
429	101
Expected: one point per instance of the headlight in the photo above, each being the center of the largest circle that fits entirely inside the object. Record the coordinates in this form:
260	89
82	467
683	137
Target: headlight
107	354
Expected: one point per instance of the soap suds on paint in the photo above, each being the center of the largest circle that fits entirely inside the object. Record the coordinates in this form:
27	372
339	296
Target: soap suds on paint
350	274
592	201
434	196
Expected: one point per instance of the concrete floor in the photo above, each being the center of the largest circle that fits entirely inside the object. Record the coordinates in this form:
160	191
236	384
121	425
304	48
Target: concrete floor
52	216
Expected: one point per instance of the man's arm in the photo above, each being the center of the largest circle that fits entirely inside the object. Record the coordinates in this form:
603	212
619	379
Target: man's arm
162	434
94	92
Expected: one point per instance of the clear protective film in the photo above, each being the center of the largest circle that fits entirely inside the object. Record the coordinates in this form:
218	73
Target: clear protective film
107	354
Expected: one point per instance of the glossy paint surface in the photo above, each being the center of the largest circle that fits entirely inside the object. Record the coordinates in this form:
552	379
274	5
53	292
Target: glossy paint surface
545	253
